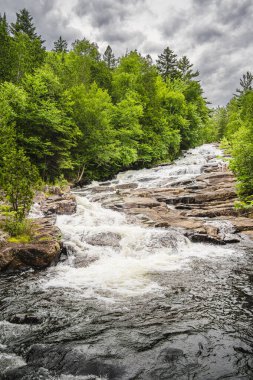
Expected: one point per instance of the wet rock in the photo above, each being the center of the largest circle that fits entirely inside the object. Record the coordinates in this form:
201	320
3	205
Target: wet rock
210	196
59	205
104	239
140	202
28	319
3	238
44	250
102	189
126	186
73	361
27	373
25	256
242	223
204	238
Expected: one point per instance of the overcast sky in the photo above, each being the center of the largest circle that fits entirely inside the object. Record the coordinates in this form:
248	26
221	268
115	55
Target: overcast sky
216	35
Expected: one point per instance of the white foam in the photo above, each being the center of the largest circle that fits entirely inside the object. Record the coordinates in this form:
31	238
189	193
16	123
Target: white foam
129	266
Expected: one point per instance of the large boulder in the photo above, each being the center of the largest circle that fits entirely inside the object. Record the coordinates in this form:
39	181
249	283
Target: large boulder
44	249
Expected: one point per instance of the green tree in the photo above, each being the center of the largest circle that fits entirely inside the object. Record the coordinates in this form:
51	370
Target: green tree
45	128
167	64
185	68
126	121
246	83
97	149
220	118
27	45
12	103
6	51
18	180
60	46
24	24
86	48
109	58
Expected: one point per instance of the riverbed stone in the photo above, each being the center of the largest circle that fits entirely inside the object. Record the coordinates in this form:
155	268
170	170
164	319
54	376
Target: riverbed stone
45	246
211	196
42	251
104	239
59	205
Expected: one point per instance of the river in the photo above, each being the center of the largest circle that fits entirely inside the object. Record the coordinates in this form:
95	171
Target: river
129	301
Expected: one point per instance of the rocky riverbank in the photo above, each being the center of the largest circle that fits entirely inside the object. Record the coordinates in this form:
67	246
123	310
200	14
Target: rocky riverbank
45	246
203	208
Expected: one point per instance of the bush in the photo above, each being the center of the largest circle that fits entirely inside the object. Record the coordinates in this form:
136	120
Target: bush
17	228
18	180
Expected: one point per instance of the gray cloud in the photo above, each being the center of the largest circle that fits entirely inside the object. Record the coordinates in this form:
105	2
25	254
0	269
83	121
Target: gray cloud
47	16
206	35
108	19
105	12
234	12
216	35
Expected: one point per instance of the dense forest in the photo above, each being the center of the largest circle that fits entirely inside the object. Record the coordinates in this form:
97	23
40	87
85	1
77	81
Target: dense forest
77	114
235	127
74	113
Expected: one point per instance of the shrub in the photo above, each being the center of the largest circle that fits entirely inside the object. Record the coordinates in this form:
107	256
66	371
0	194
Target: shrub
18	180
17	228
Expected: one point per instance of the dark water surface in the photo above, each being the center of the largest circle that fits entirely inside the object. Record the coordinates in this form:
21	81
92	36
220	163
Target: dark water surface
131	302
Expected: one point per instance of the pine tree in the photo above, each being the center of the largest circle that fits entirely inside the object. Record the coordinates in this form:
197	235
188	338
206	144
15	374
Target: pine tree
109	57
6	51
149	59
246	83
185	68
167	64
60	46
27	45
24	24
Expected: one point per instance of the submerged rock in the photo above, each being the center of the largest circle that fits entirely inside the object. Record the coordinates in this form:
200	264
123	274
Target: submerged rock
104	239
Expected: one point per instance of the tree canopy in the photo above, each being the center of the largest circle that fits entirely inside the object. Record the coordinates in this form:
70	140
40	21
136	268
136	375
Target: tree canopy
76	113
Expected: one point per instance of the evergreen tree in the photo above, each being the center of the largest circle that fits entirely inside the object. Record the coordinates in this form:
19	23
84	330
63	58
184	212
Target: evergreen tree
185	69
60	46
149	59
27	45
6	50
167	64
4	24
246	83
109	57
24	24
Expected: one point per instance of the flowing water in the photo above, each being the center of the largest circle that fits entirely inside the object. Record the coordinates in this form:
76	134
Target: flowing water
132	302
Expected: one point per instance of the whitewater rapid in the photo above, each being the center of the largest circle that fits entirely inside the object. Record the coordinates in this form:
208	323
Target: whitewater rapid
130	301
109	257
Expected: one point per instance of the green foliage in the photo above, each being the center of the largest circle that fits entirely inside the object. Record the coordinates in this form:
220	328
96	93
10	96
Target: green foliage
60	46
235	123
20	231
185	69
246	205
109	58
225	145
6	51
242	162
167	64
77	115
18	179
46	128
